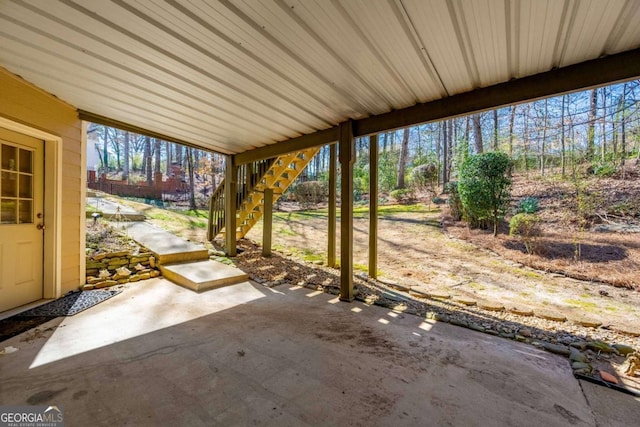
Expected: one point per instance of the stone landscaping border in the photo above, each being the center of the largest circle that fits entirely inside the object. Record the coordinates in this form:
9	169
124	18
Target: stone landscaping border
116	268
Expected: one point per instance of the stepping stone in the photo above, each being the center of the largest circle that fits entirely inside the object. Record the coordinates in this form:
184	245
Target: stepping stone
203	275
520	311
490	306
465	301
401	287
550	315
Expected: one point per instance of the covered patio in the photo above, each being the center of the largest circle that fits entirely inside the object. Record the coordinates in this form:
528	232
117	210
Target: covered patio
255	80
251	355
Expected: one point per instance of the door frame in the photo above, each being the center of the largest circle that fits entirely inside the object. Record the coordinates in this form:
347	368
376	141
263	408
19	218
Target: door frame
52	265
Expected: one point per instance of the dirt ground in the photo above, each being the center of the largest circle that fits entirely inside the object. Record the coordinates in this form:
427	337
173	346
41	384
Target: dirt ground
415	250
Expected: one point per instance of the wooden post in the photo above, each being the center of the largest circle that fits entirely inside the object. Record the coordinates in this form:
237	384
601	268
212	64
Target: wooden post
230	179
331	250
373	206
267	222
347	158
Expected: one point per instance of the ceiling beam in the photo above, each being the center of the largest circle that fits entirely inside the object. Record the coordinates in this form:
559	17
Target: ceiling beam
321	137
597	72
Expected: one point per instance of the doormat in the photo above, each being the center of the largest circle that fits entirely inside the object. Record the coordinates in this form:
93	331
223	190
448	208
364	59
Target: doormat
70	304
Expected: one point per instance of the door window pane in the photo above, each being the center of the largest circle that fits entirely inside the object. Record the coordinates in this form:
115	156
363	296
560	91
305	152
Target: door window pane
25	187
25	164
8	157
25	212
9	184
8	211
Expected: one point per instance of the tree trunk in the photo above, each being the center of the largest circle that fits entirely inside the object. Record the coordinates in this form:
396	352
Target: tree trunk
604	123
591	128
105	152
623	138
495	129
402	164
544	136
192	191
525	139
563	153
147	160
157	154
127	149
512	118
477	133
167	146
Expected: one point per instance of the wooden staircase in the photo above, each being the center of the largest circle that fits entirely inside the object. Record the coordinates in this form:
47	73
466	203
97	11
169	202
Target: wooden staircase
253	178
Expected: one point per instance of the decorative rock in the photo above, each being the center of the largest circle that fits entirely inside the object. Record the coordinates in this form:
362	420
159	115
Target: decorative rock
123	281
418	293
577	356
549	315
401	287
623	349
458	322
625	330
599	346
490	306
476	327
525	332
508	335
105	284
98	257
439	295
134	278
139	267
589	323
520	311
87	287
465	301
94	280
520	338
606	376
95	265
152	261
104	274
556	348
117	254
441	317
581	365
580	345
491	332
154	273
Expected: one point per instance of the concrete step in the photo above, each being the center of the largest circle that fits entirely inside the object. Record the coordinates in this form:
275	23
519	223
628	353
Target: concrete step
203	275
168	249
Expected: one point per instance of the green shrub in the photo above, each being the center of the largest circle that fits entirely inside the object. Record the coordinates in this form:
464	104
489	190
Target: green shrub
454	202
401	195
484	189
604	168
310	193
528	205
526	226
425	177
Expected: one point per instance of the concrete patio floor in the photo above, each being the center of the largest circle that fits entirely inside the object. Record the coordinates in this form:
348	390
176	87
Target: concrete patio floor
159	354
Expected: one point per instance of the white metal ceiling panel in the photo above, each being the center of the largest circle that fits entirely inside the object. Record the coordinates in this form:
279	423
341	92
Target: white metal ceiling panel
232	75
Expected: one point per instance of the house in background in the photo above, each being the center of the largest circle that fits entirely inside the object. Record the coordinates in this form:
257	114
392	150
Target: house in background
255	80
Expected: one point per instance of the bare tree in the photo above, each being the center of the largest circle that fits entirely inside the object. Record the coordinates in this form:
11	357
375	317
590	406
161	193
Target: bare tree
477	132
591	128
402	164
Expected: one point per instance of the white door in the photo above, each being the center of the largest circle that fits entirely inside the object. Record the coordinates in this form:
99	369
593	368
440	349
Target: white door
21	219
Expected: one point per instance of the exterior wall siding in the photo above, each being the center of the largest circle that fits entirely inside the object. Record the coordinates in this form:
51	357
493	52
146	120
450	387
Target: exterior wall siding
24	103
